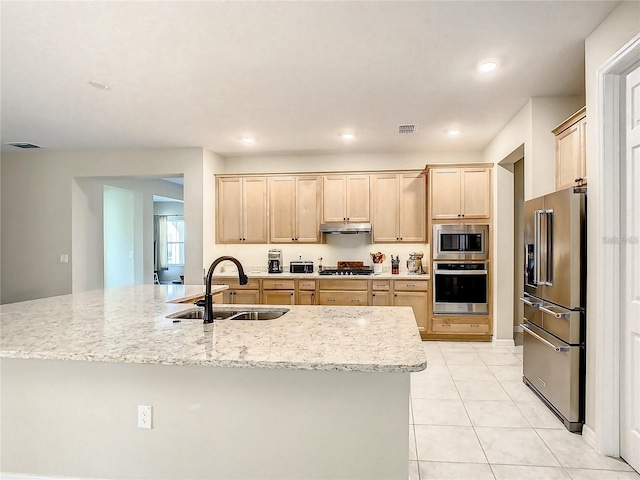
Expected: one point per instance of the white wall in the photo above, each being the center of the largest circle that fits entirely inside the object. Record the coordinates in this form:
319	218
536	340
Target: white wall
527	135
42	186
618	28
344	162
168	208
66	420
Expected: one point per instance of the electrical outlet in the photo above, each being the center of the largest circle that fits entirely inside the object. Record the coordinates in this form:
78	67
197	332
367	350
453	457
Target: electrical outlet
144	416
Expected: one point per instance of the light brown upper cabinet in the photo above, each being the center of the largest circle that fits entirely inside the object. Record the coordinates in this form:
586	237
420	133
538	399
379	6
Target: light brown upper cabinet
399	207
241	210
294	209
346	198
460	193
571	163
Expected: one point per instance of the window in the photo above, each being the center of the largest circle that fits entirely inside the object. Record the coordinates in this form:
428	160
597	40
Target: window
175	240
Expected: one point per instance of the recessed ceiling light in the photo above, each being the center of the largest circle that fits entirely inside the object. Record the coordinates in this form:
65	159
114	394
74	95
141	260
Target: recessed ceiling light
348	136
488	67
453	132
99	85
248	140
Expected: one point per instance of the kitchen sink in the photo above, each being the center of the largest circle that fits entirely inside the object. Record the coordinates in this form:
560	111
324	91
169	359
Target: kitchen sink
231	314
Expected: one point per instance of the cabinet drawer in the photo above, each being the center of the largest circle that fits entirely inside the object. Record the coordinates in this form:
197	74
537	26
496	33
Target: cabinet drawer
278	284
380	285
254	283
306	284
460	325
343	298
344	284
278	297
410	285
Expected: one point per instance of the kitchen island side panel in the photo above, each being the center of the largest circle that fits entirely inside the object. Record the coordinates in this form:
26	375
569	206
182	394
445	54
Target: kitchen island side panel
79	419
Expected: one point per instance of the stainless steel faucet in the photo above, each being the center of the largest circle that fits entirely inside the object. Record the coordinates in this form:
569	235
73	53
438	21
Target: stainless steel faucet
208	298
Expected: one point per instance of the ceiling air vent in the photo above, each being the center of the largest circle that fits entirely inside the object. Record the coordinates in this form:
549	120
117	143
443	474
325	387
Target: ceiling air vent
22	144
407	128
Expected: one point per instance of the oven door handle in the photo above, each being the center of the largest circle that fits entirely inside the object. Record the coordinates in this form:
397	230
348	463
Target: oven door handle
525	328
459	272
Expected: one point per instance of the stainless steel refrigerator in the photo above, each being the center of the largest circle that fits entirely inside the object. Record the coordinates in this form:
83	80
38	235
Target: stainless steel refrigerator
554	302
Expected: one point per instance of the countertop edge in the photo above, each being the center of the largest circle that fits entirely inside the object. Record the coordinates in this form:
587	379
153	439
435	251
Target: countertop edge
176	361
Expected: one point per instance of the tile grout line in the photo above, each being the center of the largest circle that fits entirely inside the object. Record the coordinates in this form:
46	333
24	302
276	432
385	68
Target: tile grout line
469	417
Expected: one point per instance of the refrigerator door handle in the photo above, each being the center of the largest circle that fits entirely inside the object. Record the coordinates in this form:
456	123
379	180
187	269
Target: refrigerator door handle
555	314
525	328
536	247
549	259
530	303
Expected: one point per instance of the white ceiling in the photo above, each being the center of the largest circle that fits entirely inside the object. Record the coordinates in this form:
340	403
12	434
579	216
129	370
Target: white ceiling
292	74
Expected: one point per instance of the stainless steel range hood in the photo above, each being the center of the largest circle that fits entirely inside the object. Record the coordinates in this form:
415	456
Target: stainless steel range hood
341	228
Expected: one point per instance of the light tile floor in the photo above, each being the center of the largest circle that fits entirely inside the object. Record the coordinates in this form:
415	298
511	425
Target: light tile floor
473	418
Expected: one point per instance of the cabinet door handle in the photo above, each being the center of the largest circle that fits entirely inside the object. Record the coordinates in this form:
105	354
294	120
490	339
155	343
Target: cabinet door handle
579	179
445	324
277	284
373	294
331	299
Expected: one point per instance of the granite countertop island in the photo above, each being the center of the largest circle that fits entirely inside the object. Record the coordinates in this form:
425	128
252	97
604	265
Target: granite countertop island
321	392
130	325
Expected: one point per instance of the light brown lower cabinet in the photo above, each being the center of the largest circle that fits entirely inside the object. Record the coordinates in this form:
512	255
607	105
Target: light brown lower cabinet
380	299
470	325
242	294
249	297
278	292
348	298
380	293
306	292
343	292
278	297
413	293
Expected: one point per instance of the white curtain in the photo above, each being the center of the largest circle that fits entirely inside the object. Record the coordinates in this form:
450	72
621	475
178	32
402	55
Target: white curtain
160	236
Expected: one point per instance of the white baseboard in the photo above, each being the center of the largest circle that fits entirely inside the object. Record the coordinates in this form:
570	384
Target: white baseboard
504	342
590	436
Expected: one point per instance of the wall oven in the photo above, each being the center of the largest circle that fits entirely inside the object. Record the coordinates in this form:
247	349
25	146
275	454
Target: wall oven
460	288
460	242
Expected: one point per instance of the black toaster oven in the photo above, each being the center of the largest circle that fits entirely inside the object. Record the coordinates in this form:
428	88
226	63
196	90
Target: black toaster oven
300	266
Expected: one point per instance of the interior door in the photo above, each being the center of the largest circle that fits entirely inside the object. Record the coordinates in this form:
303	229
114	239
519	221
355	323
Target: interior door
630	261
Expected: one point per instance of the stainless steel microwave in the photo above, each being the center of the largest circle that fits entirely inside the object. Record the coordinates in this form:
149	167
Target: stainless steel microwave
460	242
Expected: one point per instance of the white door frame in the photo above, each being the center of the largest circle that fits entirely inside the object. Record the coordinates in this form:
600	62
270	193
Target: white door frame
607	317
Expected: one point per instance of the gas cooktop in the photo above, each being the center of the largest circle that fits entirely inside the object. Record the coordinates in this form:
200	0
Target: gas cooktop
346	271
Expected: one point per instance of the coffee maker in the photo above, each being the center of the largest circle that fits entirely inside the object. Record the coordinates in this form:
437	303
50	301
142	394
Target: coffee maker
275	260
